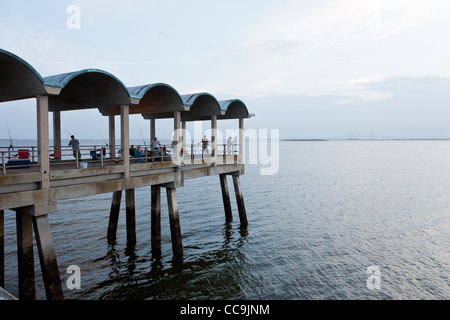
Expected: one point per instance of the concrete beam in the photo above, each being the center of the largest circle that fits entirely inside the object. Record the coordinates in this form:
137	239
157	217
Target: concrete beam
91	187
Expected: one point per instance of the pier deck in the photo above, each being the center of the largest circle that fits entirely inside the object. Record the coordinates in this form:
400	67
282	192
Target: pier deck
21	187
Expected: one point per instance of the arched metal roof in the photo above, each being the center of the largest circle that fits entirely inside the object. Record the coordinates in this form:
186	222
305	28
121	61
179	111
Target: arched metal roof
140	91
201	106
94	88
234	109
18	79
198	106
88	88
156	98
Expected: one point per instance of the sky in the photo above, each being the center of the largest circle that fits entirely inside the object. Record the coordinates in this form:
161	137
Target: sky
311	69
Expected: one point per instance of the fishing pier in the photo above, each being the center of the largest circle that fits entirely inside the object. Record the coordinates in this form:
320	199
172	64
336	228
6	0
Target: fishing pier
34	179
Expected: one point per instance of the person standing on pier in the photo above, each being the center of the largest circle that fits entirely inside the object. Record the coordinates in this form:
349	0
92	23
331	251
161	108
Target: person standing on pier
155	143
76	147
205	144
230	146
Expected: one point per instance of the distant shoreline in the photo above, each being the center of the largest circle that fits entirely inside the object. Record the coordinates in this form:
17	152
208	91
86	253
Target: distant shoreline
290	139
387	139
303	140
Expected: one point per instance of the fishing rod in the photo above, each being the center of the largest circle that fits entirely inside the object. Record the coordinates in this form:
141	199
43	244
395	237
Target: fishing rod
10	140
145	143
70	136
104	140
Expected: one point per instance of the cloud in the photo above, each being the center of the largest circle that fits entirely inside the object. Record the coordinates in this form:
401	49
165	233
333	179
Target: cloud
369	80
415	107
414	86
163	34
382	87
292	30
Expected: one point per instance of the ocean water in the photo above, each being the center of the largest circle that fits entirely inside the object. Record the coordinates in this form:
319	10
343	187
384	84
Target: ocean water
334	209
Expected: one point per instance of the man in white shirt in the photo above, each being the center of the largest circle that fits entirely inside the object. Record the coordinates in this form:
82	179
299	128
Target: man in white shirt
155	143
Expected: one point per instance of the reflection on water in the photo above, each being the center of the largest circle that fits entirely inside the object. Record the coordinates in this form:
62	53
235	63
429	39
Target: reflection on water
187	277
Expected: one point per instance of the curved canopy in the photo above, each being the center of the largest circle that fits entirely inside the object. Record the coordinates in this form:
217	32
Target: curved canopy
88	88
198	106
201	106
154	98
18	79
94	88
234	109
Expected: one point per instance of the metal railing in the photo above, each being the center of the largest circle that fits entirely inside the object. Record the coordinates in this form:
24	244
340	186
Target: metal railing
18	158
100	156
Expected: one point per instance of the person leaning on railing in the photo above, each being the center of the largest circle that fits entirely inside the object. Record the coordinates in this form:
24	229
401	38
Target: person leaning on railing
76	147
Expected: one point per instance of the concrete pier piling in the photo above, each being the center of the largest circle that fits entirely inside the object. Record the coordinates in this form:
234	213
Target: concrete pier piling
156	220
130	217
47	257
25	256
226	198
174	219
240	200
27	219
114	216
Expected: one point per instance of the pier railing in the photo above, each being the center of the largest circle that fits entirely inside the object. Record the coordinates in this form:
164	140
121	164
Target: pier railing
91	156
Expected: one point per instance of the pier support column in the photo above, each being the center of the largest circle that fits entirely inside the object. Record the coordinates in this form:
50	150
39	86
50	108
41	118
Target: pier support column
125	139
183	139
241	155
214	138
240	200
2	248
42	137
57	135
25	256
47	257
112	137
152	130
177	130
177	134
156	219
226	198
130	217
114	216
174	218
